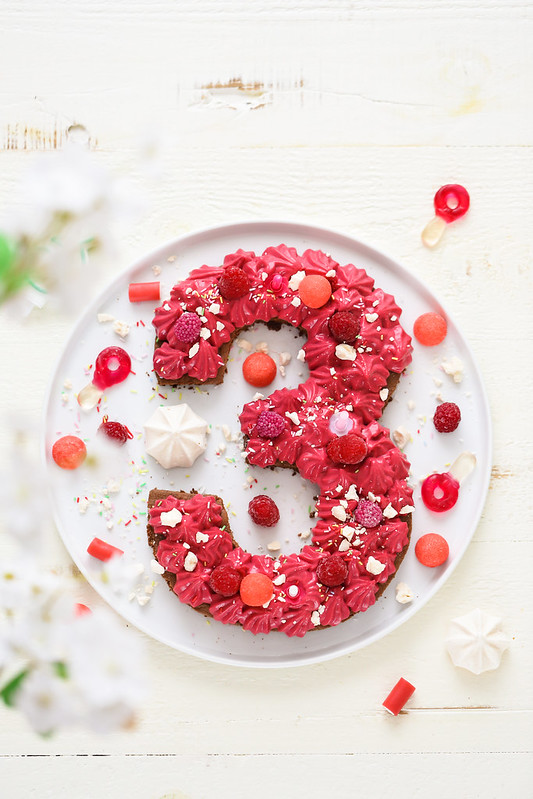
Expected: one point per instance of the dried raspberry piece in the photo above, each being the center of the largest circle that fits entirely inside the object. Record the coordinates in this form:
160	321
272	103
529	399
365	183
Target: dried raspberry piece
225	580
447	417
347	450
332	571
270	424
233	283
263	511
344	326
259	369
368	514
115	430
187	328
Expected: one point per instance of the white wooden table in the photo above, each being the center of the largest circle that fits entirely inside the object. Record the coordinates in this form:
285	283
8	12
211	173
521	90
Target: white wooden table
341	113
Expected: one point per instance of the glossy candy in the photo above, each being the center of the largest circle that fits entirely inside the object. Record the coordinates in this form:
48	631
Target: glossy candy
432	550
256	589
402	691
144	292
440	492
314	291
451	202
102	550
430	329
259	369
69	452
112	366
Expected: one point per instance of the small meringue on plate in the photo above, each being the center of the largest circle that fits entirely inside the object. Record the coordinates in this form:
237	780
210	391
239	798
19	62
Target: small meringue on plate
476	641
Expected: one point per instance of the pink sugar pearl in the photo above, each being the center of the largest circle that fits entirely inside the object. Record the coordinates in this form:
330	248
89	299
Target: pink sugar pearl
270	424
368	514
187	328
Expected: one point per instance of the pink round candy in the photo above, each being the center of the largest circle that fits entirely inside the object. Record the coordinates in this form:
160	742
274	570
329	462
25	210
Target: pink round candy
341	423
270	424
451	202
112	366
440	492
368	513
187	328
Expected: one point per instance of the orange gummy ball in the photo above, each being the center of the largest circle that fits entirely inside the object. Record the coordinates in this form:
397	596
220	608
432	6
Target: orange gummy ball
256	589
430	329
259	369
432	550
69	452
314	291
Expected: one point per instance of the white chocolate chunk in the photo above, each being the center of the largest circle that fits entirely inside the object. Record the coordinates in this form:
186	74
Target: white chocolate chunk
156	567
403	594
202	538
371	317
401	436
171	518
374	566
389	512
384	393
296	279
190	562
193	350
315	618
345	352
339	513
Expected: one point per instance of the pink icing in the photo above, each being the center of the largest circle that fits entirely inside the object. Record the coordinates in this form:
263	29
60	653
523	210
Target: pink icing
335	386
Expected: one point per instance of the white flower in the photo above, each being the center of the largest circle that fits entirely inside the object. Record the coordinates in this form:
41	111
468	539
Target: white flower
104	661
46	699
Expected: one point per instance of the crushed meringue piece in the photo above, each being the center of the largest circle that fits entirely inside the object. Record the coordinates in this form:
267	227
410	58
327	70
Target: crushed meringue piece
300	356
401	436
389	512
171	518
293	416
383	394
193	350
296	301
122	329
280	579
339	513
296	279
274	546
205	333
371	317
352	493
202	538
344	545
406	509
190	562
156	567
105	317
284	358
345	352
374	566
454	368
262	346
244	344
315	618
404	594
214	308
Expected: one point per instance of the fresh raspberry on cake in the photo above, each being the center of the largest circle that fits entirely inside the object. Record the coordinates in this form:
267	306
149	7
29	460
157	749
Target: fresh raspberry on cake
332	571
447	417
263	511
233	283
344	326
347	450
225	580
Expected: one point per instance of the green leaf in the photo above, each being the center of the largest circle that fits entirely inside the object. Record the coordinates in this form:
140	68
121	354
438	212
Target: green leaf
61	670
11	688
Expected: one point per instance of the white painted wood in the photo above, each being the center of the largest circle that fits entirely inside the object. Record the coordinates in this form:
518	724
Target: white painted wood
336	113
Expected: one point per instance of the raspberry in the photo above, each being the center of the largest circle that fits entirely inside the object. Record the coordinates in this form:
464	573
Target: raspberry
447	417
344	326
256	589
259	369
432	550
187	328
332	571
225	580
347	450
263	511
69	452
314	291
118	432
430	329
270	424
368	514
233	283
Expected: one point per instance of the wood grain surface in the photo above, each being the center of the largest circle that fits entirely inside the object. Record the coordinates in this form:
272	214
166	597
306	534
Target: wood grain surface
345	114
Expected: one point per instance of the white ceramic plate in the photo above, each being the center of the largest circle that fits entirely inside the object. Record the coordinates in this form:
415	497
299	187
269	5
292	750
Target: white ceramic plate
132	402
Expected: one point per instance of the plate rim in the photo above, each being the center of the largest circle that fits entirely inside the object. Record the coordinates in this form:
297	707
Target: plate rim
285	226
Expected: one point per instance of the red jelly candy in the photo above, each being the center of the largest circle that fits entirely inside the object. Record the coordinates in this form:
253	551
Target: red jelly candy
256	589
69	452
402	691
259	369
314	291
440	492
112	366
432	550
451	202
430	329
